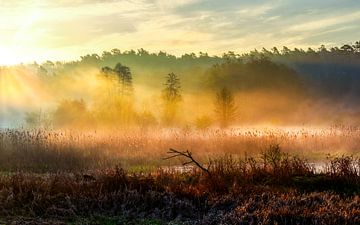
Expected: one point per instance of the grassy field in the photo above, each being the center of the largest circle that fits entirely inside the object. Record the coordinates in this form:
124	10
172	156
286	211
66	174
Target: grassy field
246	176
141	150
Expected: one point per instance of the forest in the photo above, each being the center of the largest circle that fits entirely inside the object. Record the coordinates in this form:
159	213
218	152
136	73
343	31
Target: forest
129	88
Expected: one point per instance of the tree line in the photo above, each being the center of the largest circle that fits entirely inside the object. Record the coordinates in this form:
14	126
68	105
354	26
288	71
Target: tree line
329	72
303	76
119	106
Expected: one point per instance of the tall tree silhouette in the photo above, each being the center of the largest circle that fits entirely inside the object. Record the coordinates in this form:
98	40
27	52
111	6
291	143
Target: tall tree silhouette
225	107
122	75
125	78
171	96
119	106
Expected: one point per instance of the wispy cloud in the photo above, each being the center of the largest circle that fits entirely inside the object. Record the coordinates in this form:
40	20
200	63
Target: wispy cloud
327	22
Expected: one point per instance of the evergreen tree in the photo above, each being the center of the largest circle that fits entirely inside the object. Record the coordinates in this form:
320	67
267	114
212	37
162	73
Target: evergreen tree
171	96
125	79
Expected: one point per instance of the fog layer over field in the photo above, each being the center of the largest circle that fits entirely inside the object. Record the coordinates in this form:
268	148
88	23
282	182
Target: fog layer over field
121	89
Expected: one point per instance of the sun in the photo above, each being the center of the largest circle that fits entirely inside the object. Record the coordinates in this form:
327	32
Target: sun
7	57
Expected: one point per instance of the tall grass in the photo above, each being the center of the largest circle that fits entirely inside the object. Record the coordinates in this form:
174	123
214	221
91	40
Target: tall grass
251	180
183	198
66	150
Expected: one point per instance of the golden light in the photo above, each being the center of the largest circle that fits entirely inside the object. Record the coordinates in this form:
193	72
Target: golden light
7	57
20	91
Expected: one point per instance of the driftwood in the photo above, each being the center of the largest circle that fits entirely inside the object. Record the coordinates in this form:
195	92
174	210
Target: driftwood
187	154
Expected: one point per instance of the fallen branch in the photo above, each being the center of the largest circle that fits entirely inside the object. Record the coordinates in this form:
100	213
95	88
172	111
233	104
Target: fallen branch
187	154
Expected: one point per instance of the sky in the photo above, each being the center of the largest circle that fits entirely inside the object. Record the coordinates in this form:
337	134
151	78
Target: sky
66	29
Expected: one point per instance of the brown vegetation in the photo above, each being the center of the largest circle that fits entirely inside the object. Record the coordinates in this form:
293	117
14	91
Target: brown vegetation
248	193
71	150
268	186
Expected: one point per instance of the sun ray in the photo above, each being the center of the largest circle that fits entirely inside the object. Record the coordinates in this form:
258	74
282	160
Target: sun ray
20	90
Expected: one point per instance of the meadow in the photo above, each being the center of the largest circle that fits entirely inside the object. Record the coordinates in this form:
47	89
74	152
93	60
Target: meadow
142	150
251	176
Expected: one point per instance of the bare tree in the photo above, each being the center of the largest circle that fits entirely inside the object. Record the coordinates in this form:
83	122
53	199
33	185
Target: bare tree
225	107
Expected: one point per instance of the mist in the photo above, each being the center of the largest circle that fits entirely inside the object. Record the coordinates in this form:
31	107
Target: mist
268	87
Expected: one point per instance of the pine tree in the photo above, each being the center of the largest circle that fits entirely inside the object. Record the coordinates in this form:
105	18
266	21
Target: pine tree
171	96
125	79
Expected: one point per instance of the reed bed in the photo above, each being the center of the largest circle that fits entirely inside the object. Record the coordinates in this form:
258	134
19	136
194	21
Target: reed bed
285	191
72	150
247	176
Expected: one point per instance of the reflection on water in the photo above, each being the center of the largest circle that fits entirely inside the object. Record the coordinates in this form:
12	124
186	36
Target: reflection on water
319	166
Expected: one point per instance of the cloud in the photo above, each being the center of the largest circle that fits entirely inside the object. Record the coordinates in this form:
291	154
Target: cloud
328	22
64	29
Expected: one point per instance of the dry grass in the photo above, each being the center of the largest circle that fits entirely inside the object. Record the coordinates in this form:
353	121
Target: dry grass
250	179
232	195
70	150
